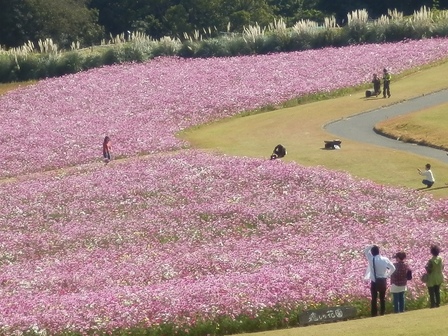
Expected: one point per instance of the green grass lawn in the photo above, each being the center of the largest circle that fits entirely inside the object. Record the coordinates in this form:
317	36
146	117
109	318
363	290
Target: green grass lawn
5	87
428	126
423	322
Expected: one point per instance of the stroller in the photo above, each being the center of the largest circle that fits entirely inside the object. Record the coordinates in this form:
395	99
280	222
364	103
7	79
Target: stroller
333	144
376	87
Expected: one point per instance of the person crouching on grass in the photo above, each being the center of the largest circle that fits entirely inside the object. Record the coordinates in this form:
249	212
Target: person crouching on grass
428	179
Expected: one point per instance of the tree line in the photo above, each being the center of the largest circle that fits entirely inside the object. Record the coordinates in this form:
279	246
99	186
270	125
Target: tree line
90	21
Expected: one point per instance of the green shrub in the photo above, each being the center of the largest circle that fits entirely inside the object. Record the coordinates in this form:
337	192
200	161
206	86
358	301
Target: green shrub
212	48
132	53
166	47
69	63
275	43
27	67
301	41
110	56
441	29
47	66
329	37
237	46
92	61
188	49
395	32
375	34
356	33
257	45
7	65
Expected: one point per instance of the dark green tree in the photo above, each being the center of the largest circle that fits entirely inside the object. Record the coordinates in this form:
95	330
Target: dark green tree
64	21
16	24
375	9
259	12
294	10
177	20
119	16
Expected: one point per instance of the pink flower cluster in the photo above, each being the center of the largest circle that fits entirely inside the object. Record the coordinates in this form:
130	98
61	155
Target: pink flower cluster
62	121
177	236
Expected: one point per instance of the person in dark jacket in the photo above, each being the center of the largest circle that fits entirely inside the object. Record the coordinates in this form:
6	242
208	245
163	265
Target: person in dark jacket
279	152
386	83
376	85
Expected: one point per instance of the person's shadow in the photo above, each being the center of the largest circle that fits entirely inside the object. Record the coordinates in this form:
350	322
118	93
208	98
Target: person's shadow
428	189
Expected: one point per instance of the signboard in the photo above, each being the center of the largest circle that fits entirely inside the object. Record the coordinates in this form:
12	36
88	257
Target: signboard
325	315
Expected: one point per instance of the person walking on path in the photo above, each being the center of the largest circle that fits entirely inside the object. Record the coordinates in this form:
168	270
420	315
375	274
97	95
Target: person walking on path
434	268
398	282
107	148
386	83
378	270
428	176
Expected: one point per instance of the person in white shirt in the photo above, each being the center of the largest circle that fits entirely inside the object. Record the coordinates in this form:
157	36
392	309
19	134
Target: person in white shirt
428	177
379	269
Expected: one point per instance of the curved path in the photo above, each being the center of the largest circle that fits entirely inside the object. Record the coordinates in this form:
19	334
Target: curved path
360	127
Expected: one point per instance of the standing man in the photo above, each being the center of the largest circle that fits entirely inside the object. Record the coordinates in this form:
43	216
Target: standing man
386	83
379	269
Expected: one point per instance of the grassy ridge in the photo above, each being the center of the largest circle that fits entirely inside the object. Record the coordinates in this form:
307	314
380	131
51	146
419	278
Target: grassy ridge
5	87
424	322
426	127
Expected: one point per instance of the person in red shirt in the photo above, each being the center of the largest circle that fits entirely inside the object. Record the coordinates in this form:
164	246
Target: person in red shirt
107	148
398	281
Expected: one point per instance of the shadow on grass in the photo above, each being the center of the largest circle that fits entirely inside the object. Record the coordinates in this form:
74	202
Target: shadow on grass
428	189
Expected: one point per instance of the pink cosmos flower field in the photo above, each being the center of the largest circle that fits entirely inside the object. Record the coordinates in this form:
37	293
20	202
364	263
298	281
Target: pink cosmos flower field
181	236
172	237
62	121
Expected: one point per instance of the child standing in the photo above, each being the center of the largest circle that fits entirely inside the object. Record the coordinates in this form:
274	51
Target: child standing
107	147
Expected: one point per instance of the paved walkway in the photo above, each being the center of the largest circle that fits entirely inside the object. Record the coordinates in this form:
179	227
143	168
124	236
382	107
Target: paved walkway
360	127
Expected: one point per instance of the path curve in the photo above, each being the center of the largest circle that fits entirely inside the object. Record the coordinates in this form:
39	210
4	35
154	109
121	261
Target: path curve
360	127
